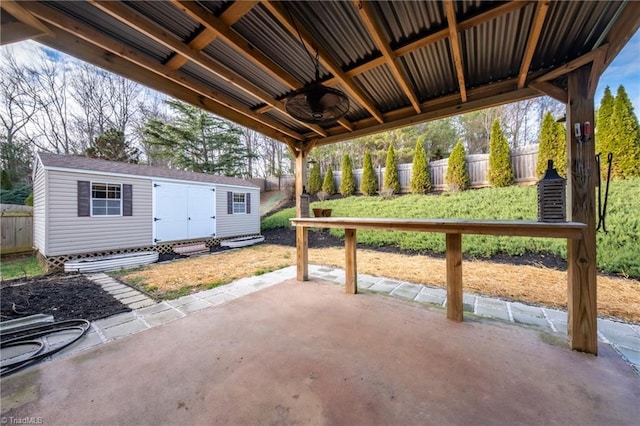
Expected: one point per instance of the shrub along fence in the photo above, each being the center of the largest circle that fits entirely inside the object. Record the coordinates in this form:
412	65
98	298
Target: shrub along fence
16	226
523	160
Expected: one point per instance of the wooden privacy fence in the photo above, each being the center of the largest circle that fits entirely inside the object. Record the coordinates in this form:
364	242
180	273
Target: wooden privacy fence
16	228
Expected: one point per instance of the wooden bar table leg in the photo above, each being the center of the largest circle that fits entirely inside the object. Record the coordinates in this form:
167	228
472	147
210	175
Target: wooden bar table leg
454	277
302	253
351	269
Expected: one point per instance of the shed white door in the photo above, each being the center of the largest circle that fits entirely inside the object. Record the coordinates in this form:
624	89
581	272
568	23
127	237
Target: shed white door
183	212
201	212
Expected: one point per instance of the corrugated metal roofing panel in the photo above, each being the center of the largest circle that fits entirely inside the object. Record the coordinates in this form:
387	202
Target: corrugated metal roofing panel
260	29
91	16
338	25
167	16
216	83
287	121
382	88
225	54
215	7
404	21
431	70
488	57
580	22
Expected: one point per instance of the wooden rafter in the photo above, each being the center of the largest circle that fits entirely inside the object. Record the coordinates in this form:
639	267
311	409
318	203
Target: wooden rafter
242	46
23	15
532	41
135	21
455	47
206	36
278	12
549	89
573	65
107	43
376	33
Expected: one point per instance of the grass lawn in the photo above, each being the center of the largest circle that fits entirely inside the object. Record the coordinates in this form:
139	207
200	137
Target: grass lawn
618	249
617	297
20	267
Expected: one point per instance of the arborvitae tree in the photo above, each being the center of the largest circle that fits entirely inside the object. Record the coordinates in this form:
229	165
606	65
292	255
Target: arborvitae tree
500	169
5	181
329	185
552	146
626	138
112	146
420	179
314	184
369	183
457	174
391	180
348	183
604	129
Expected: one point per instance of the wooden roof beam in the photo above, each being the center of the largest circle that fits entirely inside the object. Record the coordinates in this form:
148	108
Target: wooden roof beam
94	37
579	62
23	15
532	42
206	36
242	46
623	29
455	47
141	24
13	32
376	32
279	13
549	89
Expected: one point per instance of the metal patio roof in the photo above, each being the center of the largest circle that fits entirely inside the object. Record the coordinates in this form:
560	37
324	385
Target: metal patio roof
399	62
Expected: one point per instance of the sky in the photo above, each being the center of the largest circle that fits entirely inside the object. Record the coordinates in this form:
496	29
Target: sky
625	70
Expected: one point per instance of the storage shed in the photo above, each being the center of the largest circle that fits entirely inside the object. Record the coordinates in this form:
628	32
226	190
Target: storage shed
89	207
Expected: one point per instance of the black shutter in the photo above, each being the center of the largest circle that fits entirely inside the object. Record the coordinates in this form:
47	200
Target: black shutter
248	200
127	200
84	198
229	202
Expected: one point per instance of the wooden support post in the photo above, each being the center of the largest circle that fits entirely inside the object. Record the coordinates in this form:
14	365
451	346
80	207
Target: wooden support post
581	254
350	266
454	277
302	253
302	234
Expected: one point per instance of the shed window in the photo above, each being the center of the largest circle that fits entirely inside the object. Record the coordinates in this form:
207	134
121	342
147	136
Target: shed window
106	199
239	203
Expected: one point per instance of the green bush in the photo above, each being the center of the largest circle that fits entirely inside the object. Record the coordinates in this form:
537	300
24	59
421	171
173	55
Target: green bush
369	183
329	184
391	180
626	134
552	146
420	179
457	174
17	195
314	183
348	183
500	169
29	200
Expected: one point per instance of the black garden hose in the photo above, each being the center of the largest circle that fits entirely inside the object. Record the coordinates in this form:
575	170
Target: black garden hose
34	336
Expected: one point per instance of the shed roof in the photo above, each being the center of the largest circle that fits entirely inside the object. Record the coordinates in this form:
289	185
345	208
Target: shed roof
399	62
89	165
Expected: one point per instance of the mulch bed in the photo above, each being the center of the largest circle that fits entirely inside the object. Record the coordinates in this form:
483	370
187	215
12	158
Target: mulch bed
63	296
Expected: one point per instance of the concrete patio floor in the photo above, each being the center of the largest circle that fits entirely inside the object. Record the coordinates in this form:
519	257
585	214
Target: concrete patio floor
306	353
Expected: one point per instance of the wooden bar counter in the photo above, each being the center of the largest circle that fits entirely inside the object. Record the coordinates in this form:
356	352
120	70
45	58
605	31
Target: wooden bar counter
453	229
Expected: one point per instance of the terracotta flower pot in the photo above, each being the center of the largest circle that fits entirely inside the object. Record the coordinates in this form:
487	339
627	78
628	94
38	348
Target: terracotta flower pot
326	212
318	212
